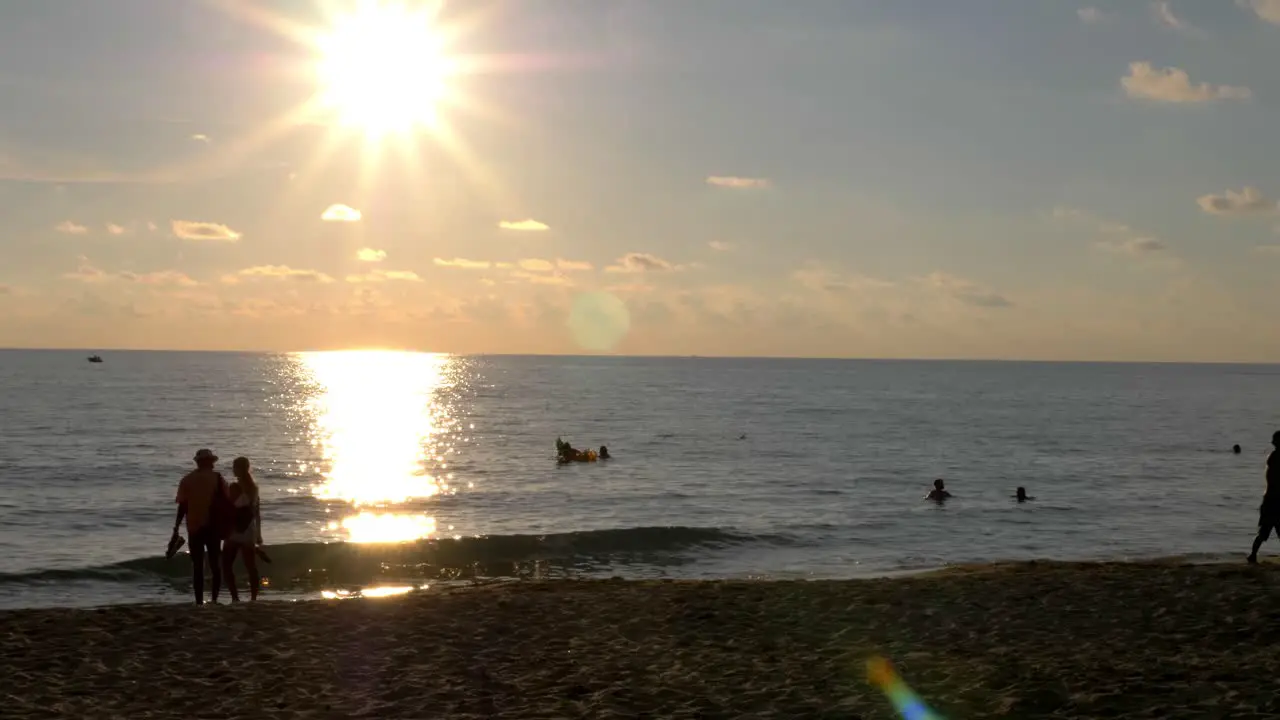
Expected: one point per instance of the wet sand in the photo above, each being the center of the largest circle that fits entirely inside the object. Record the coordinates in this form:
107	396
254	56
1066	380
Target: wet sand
1154	640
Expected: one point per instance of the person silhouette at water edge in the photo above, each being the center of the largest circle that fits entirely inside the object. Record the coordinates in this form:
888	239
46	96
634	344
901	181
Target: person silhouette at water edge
1021	495
939	492
1269	512
203	503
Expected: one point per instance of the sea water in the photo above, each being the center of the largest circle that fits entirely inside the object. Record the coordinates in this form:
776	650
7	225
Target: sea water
385	471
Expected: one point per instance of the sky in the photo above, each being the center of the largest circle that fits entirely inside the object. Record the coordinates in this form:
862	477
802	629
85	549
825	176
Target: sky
829	178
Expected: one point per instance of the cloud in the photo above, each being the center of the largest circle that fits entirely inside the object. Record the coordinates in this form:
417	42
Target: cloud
527	225
640	262
371	255
1163	14
340	213
201	137
1171	85
114	229
738	183
1249	201
69	227
537	265
720	246
1268	249
284	272
385	276
1089	15
464	264
967	291
573	265
1268	10
188	230
1133	246
817	277
542	278
86	272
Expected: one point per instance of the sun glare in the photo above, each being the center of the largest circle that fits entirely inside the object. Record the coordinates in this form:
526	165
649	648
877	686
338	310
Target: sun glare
383	68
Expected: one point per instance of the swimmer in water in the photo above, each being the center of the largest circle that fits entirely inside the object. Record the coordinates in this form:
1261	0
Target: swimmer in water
604	453
1235	449
939	491
1021	495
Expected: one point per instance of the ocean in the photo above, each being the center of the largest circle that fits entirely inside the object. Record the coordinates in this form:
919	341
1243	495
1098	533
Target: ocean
390	472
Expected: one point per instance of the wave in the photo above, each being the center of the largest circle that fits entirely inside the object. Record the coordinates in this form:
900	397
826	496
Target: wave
340	564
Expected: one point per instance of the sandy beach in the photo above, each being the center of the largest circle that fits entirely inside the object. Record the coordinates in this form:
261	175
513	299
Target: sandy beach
1157	640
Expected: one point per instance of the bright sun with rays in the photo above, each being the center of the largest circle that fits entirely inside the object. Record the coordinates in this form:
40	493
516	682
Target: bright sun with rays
383	68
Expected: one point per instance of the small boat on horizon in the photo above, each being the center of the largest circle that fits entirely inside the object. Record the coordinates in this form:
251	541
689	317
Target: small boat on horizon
95	358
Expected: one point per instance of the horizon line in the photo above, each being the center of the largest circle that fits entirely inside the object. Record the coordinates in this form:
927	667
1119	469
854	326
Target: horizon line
658	356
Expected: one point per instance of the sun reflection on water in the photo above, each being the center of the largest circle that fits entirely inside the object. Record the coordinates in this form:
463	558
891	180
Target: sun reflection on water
382	432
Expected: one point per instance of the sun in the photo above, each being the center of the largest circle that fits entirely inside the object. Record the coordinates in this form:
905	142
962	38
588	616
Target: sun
383	68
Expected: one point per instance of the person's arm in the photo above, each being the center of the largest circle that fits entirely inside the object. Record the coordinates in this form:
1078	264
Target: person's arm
181	499
257	516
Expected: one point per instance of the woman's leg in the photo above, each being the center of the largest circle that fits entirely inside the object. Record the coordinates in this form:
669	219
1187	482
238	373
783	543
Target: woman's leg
196	548
228	570
251	565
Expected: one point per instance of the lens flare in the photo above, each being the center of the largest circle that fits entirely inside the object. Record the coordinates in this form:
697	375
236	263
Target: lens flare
909	705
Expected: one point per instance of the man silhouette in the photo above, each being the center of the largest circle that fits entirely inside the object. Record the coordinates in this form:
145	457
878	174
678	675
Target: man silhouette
1269	513
197	492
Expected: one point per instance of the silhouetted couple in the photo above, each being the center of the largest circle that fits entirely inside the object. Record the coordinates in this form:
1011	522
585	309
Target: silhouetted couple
223	522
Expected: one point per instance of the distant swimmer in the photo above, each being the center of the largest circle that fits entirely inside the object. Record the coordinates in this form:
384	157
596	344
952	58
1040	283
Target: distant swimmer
939	491
1269	513
743	436
1235	449
604	453
1021	495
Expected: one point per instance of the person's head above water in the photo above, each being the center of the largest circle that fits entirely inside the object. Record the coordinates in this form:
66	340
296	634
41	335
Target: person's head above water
1235	449
1021	493
938	484
205	458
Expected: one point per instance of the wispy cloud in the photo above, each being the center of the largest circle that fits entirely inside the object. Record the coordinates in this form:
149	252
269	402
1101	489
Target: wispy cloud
967	291
820	278
1162	11
1114	237
720	246
541	278
340	213
537	265
1268	249
284	272
1268	10
1089	15
1135	246
88	273
738	183
69	227
463	264
1249	201
641	262
201	137
370	255
189	230
376	276
573	265
527	225
114	229
1172	85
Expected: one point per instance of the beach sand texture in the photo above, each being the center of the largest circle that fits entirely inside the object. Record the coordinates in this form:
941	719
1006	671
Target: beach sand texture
1021	641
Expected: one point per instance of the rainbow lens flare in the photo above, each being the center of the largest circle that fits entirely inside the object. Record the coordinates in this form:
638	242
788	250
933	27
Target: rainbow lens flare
904	699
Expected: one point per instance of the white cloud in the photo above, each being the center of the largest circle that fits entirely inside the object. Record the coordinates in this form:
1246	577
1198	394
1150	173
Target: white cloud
1172	85
201	137
1268	10
537	265
188	230
966	291
640	262
527	225
1163	14
160	277
720	246
114	229
573	265
370	255
340	213
542	278
734	182
385	276
464	264
284	272
1089	15
1249	201
69	227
